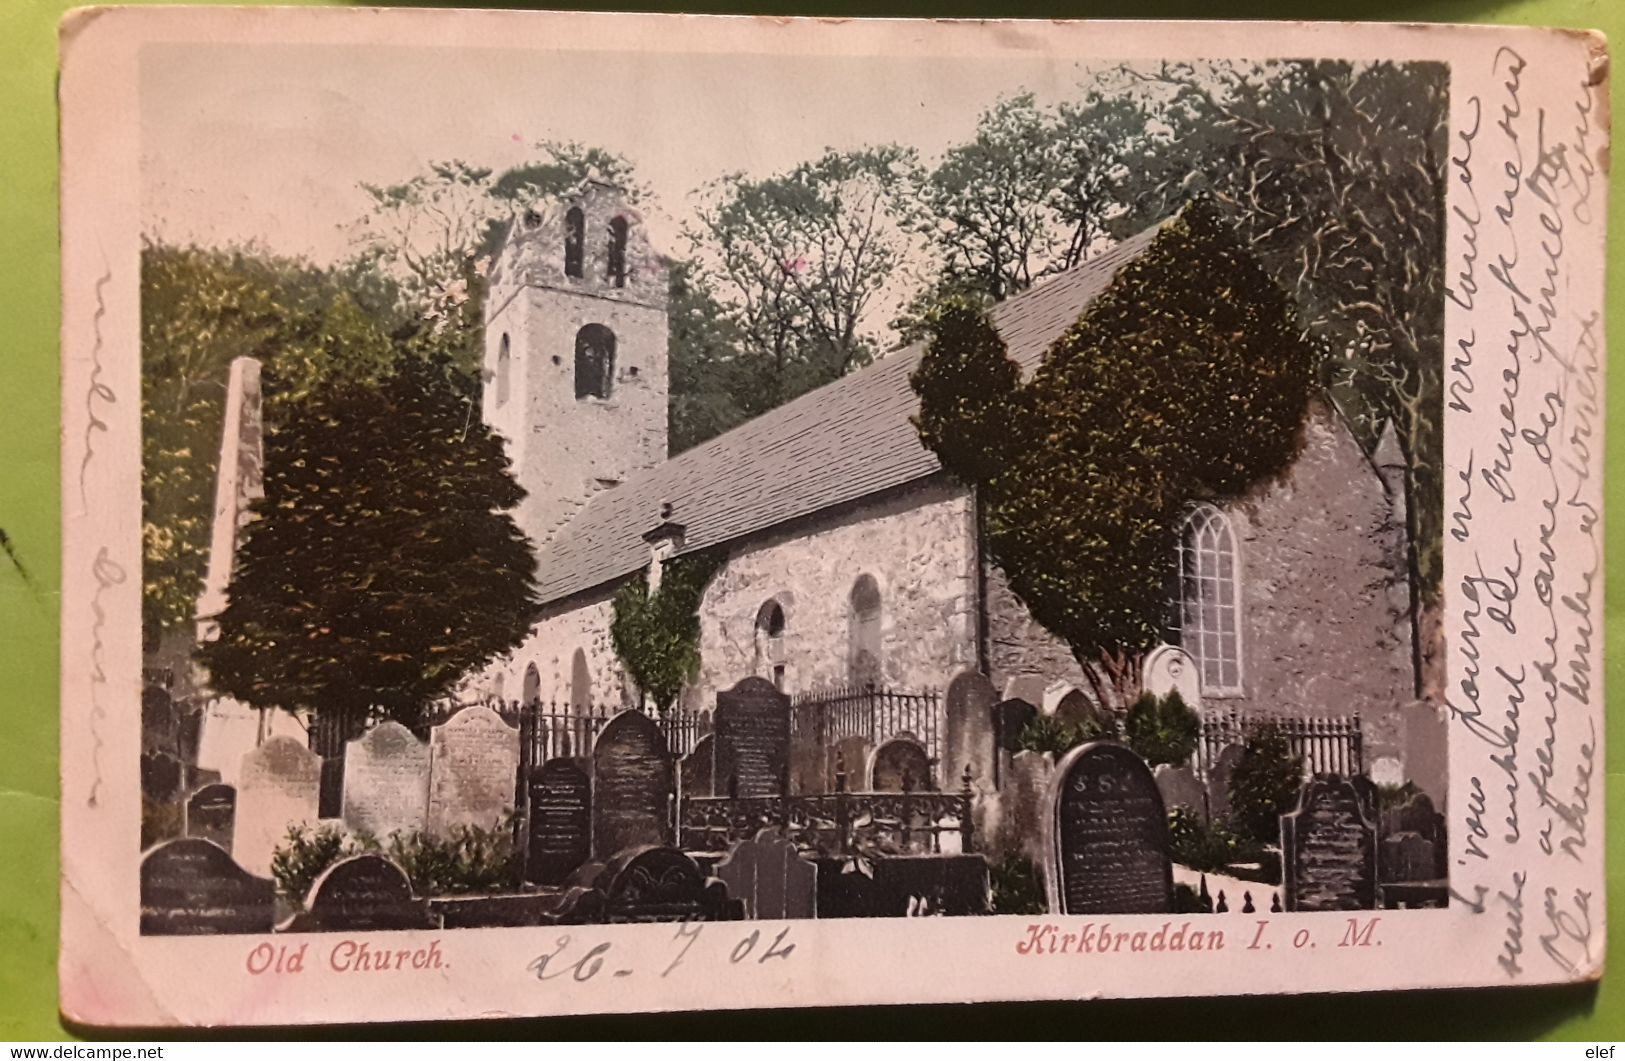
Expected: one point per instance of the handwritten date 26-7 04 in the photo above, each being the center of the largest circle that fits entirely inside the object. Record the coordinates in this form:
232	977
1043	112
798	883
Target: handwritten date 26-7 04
582	964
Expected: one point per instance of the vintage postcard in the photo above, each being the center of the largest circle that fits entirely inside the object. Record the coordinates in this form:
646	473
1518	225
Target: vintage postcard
576	513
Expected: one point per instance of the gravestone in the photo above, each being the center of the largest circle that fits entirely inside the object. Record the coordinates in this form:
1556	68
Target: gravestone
850	762
1179	787
1218	779
1110	835
631	786
191	887
968	719
773	881
900	765
278	786
648	884
1024	801
1413	842
1028	687
473	766
162	777
1076	709
386	782
697	769
1328	850
1010	717
210	814
362	893
1169	669
752	727
559	838
1054	693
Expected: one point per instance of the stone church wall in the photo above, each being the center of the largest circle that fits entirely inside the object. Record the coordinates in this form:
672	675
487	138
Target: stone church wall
1325	626
552	647
917	544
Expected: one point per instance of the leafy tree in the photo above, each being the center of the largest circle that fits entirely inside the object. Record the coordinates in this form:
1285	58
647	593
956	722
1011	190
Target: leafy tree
200	309
1333	172
657	635
1264	785
800	259
383	565
1035	190
1184	381
1162	729
707	394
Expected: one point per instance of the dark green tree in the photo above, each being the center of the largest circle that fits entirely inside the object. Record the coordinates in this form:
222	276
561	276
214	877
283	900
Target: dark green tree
1264	785
657	635
1162	729
706	394
200	309
1184	381
382	565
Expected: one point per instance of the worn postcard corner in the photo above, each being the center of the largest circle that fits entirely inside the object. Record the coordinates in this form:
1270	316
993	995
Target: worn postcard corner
746	511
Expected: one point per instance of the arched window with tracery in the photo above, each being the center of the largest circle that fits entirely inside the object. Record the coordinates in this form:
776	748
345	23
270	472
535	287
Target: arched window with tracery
1209	612
504	369
863	648
615	266
595	361
575	241
770	657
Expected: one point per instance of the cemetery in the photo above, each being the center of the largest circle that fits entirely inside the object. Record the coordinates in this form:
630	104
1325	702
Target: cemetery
1068	811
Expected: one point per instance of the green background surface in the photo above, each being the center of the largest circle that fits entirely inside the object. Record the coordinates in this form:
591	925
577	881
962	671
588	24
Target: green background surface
29	314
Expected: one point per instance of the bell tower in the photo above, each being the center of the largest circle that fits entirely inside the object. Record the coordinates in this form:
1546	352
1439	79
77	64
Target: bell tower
575	352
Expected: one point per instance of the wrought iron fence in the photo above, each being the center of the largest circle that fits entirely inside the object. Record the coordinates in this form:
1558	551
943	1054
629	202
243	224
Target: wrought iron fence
554	730
823	717
833	824
1325	745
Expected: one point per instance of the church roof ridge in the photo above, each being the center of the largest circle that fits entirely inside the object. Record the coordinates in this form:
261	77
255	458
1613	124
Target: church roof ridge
851	438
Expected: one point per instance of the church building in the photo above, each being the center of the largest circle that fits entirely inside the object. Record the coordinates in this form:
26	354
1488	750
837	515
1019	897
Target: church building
851	556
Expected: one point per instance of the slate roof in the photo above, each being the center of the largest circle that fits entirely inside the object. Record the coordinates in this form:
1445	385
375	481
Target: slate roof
846	440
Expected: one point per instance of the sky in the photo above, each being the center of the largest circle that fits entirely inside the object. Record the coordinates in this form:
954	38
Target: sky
267	144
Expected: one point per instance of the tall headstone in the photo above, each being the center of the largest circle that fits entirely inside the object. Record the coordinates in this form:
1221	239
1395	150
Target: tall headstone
968	710
900	765
211	813
1328	849
632	786
191	887
752	727
386	782
362	893
278	786
1110	835
473	769
1168	669
559	836
239	482
697	770
771	878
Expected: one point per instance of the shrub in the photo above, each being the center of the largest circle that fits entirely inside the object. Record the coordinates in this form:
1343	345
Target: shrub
1211	847
306	852
471	859
1017	887
1264	785
1391	796
159	821
1162	729
1046	733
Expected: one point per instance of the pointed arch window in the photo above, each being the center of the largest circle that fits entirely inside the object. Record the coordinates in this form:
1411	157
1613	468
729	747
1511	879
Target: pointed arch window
575	240
615	267
504	369
1209	612
864	612
595	361
531	692
770	659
